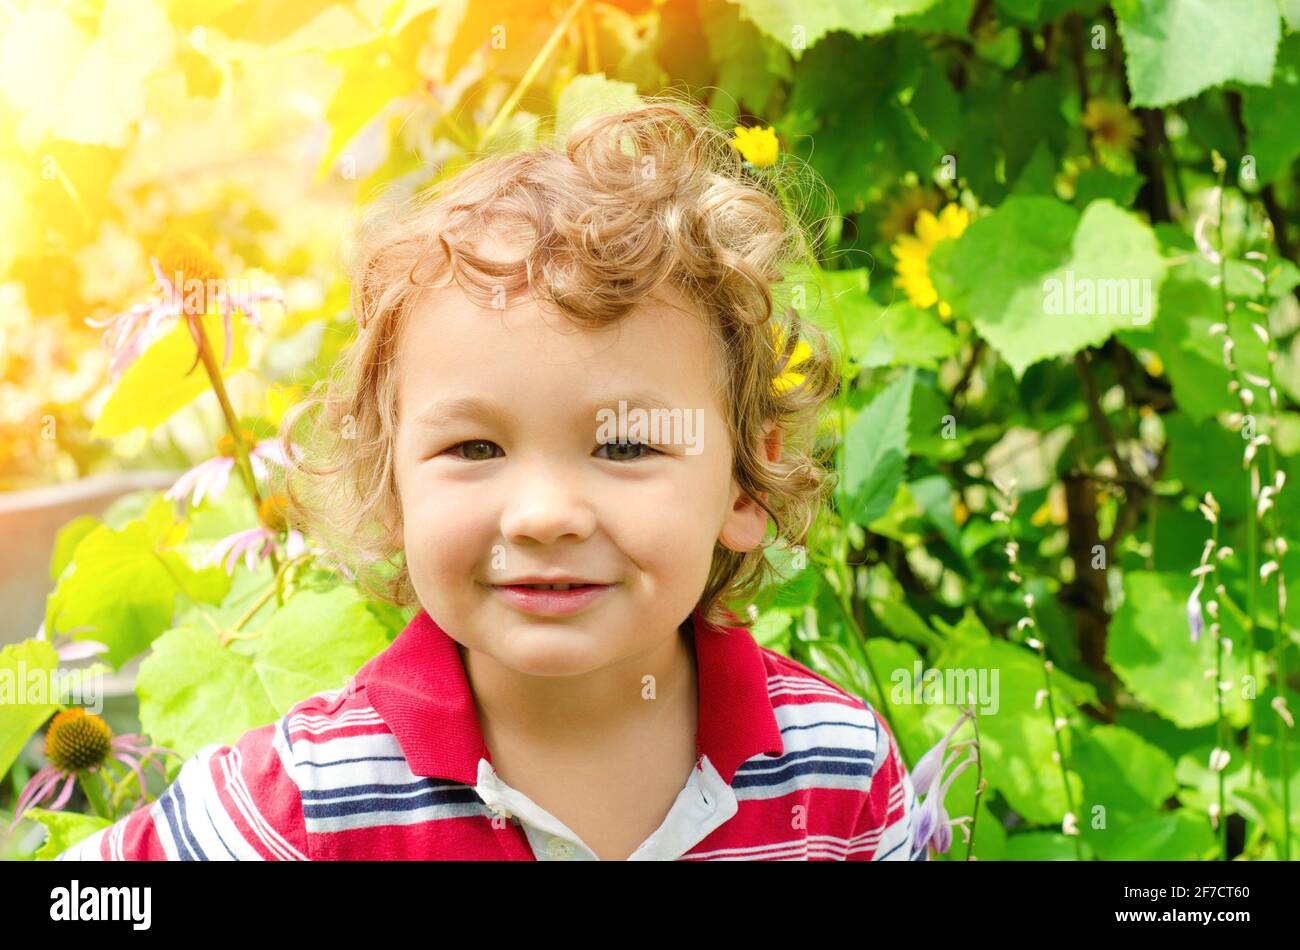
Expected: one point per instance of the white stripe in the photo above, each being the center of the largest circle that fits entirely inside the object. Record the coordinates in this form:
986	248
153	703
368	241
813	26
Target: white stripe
319	718
319	725
248	808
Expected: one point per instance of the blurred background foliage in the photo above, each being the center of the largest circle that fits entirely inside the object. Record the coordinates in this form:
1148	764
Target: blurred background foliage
973	149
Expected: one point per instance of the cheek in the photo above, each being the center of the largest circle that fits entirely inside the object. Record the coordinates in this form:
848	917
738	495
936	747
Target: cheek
671	528
446	530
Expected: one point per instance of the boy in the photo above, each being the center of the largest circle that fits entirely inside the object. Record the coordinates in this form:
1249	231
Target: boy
564	378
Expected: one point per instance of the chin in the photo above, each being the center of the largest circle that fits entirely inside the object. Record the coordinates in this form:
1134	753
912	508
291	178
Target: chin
547	650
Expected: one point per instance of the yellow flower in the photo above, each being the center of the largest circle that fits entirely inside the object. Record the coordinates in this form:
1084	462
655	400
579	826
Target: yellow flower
757	146
788	379
912	252
1111	124
900	214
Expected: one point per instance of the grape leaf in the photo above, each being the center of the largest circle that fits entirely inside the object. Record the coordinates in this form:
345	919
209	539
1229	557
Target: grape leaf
1175	48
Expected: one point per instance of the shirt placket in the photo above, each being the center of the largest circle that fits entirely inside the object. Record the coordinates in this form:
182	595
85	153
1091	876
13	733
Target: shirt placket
704	803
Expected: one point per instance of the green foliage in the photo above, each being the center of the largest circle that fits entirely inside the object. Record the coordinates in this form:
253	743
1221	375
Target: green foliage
194	690
1059	264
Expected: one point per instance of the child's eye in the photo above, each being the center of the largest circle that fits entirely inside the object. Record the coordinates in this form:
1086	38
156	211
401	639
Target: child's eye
624	446
471	446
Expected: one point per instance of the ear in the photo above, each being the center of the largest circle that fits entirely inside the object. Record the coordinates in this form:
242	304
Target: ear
746	524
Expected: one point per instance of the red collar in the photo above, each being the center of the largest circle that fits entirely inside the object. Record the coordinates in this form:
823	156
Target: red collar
418	685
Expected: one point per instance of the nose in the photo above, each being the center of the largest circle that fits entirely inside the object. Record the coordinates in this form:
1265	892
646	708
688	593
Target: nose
544	507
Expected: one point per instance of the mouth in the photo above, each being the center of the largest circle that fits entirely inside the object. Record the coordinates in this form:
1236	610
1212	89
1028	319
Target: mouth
551	599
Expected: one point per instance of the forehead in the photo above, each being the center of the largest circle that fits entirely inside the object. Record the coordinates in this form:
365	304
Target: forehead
453	346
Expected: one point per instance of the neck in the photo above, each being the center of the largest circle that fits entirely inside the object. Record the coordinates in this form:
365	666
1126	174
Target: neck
583	712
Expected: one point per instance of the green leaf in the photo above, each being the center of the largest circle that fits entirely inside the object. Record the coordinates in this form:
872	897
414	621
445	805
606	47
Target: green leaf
157	384
66	541
904	622
1272	115
1098	182
797	576
1206	456
1039	281
799	24
1175	48
1192	357
123	584
1017	737
750	65
1150	649
372	74
1175	836
899	87
587	96
1007	120
1040	846
63	830
18	661
193	691
946	16
1122	772
772	630
875	452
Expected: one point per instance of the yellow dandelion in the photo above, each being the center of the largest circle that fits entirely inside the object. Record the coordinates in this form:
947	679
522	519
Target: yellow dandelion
757	146
1111	124
788	379
1154	365
901	213
912	252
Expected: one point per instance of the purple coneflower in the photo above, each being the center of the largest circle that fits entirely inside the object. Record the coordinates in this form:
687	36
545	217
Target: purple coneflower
258	543
1195	620
76	743
70	650
210	477
933	826
188	279
927	769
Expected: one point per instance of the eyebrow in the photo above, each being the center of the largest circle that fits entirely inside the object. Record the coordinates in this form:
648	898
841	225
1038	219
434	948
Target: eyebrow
479	408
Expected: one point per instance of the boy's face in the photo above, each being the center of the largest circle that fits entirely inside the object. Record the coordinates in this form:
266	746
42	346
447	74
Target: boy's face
536	491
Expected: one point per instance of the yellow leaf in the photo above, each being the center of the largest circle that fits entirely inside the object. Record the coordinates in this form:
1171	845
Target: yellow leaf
373	74
155	385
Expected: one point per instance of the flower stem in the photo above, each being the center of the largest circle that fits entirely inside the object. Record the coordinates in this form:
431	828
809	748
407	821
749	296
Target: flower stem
232	422
274	589
530	74
1056	733
89	783
1221	724
979	782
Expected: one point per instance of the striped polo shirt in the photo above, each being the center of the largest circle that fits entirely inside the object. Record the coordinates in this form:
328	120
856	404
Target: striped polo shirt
393	766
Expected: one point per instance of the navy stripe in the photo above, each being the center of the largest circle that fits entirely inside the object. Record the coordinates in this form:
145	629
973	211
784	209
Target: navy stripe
362	806
173	805
813	763
814	725
867	756
218	833
882	857
349	791
364	758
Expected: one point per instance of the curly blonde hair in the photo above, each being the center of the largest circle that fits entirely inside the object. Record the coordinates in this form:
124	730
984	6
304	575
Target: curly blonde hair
602	234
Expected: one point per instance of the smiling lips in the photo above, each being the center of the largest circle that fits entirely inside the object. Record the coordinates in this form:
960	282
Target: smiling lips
553	599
